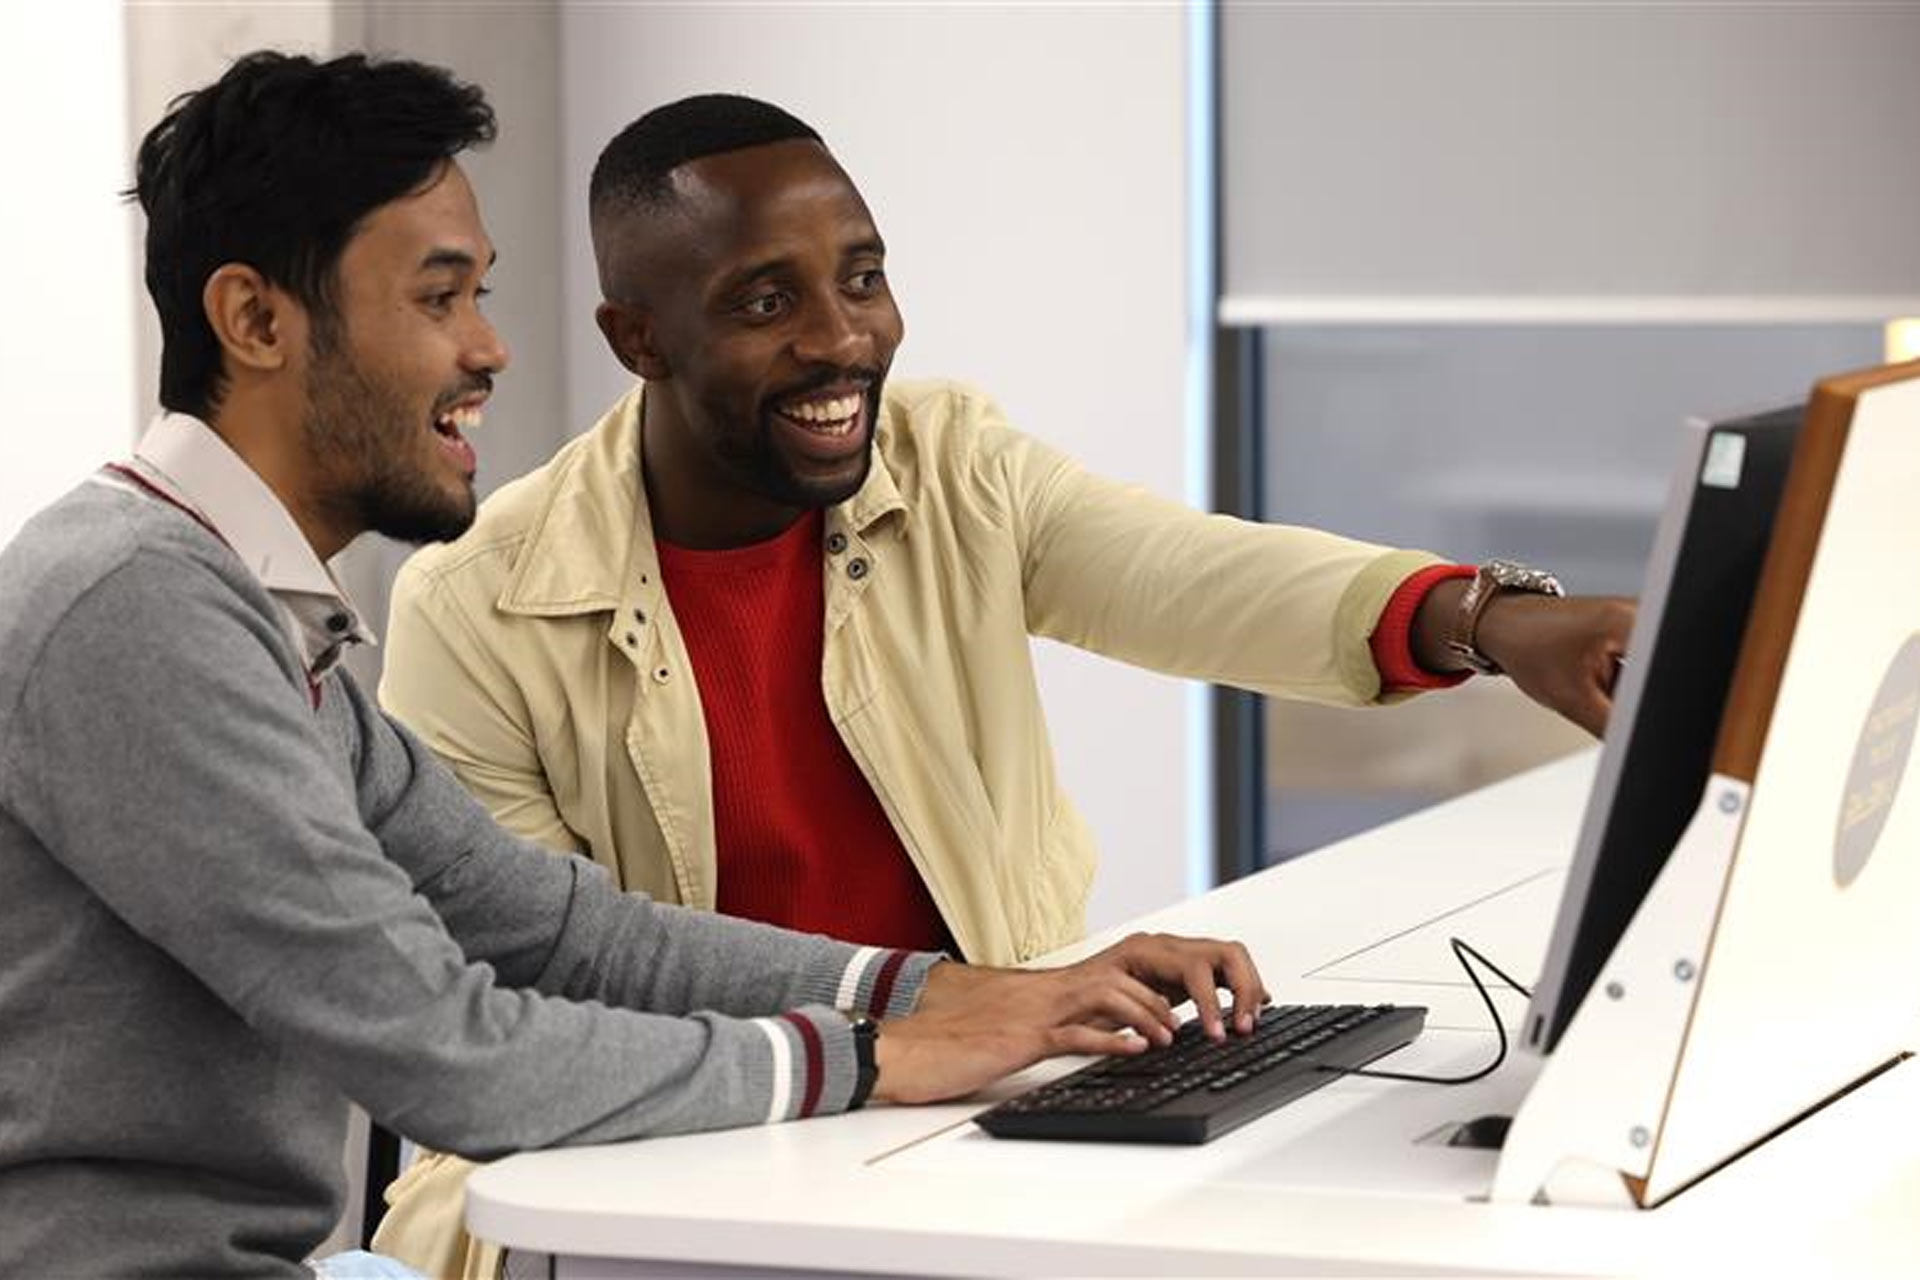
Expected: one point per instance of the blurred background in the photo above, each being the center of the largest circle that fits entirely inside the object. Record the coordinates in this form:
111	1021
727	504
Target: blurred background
1447	276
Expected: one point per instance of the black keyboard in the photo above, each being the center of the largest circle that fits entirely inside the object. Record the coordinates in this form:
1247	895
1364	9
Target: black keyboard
1196	1089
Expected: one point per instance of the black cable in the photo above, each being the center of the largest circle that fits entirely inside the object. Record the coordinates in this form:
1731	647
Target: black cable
1460	952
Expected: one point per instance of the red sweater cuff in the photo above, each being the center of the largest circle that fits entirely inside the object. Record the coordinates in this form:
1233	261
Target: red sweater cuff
1392	638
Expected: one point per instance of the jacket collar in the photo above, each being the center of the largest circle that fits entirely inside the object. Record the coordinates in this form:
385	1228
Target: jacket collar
878	496
590	546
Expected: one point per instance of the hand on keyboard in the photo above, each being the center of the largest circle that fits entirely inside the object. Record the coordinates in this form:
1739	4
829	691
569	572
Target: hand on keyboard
974	1025
1197	1089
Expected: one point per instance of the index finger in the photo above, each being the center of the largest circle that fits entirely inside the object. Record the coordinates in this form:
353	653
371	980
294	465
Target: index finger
1238	974
1199	978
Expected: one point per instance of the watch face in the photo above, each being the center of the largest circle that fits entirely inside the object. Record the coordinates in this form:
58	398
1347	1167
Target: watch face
1520	577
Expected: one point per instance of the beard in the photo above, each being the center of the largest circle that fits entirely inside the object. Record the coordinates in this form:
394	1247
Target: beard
773	477
361	436
768	472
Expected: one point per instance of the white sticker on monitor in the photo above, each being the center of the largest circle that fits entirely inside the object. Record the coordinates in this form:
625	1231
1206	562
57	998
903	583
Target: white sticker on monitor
1726	455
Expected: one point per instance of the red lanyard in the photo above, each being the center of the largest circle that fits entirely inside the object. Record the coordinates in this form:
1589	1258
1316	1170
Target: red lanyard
155	491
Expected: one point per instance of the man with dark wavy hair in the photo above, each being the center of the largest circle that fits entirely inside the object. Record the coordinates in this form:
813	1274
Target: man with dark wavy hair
238	895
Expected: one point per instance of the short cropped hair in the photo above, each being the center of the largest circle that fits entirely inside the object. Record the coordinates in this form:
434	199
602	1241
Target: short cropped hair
635	168
275	165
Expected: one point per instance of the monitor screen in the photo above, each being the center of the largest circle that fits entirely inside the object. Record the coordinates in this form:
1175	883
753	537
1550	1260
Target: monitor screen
1654	765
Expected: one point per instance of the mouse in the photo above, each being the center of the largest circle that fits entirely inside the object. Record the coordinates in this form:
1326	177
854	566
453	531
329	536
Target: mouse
1486	1132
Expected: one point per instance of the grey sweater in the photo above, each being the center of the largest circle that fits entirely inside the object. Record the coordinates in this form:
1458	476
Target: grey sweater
224	912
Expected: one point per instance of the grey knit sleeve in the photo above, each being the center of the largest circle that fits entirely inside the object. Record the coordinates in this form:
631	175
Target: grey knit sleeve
292	868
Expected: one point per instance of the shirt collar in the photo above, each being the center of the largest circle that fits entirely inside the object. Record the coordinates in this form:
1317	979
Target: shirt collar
188	461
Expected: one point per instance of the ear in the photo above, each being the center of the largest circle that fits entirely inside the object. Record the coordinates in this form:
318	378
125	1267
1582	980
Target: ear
258	326
629	334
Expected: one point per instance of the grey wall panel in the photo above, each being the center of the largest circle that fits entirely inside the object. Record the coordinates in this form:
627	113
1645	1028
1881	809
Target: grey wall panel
1756	160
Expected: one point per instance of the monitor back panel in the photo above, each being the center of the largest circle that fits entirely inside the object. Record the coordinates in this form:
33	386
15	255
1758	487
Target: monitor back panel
1812	979
1693	612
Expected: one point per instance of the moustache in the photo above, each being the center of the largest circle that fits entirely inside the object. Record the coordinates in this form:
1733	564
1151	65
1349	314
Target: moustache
867	378
479	384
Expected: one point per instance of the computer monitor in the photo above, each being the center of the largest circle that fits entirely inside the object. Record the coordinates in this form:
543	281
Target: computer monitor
1736	944
1694	603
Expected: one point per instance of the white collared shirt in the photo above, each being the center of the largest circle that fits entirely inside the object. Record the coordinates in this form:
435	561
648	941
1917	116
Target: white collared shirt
187	461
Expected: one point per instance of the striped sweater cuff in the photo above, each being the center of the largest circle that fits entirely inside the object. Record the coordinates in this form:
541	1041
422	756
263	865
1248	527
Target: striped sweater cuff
882	983
813	1063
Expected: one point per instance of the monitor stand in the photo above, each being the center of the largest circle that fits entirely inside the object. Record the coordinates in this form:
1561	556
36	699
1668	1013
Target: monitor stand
1585	1133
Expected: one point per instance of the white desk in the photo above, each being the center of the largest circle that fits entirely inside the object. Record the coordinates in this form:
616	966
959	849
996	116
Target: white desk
1332	1184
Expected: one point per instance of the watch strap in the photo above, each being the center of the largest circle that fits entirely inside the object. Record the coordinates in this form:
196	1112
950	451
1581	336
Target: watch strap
866	1067
1487	583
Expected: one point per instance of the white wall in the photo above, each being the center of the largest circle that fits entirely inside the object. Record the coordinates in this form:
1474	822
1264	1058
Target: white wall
1025	163
66	312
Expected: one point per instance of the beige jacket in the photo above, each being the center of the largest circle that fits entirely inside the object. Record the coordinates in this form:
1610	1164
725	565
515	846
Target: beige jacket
538	657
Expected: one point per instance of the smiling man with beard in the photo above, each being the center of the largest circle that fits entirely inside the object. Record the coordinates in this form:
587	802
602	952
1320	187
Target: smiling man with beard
759	640
238	896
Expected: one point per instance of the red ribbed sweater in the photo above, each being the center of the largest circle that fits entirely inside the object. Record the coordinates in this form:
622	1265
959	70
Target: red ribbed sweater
802	840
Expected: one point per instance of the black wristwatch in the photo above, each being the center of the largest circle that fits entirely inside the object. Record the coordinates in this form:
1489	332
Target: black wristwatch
866	1066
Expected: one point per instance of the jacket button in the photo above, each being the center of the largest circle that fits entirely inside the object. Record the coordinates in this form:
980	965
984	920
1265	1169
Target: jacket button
640	616
660	675
857	568
836	543
632	639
